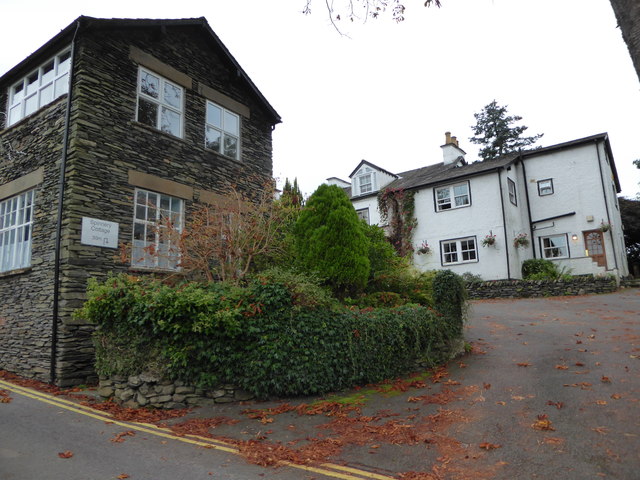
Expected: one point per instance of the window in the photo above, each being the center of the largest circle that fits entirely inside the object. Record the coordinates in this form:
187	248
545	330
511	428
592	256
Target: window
363	214
160	103
365	183
39	88
222	131
154	243
452	196
545	187
463	250
555	247
512	191
16	220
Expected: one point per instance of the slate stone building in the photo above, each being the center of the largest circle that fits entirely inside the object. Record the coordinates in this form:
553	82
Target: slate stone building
106	129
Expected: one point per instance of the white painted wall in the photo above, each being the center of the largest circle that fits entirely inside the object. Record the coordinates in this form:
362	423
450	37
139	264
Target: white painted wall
578	187
483	216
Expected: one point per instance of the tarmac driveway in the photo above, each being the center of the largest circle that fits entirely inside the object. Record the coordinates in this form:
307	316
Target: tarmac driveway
550	390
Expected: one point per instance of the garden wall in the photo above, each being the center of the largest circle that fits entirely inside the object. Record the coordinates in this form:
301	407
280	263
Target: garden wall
541	288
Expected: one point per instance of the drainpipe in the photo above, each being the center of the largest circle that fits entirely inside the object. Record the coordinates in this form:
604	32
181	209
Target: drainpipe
56	258
606	206
504	225
526	193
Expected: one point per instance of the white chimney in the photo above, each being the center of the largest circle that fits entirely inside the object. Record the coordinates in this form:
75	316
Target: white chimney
451	152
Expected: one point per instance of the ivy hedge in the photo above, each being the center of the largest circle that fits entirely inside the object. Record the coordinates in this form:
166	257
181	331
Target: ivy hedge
260	338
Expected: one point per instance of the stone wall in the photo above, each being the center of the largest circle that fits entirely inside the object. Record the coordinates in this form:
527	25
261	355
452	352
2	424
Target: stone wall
106	143
148	390
540	288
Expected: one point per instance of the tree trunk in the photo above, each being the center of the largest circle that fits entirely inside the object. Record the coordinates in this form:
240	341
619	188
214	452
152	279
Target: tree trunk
628	15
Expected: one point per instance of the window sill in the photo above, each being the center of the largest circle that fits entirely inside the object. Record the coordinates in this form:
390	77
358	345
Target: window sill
148	128
451	209
163	271
17	271
223	157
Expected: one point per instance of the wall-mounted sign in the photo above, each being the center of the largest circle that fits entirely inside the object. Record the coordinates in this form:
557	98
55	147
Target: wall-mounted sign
99	233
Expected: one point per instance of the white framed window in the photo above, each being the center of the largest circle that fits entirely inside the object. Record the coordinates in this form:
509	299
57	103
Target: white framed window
160	103
452	196
545	187
365	183
363	214
555	246
461	250
511	185
16	223
156	221
39	88
222	131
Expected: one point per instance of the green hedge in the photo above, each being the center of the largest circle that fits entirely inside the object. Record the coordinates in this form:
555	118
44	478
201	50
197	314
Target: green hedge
257	337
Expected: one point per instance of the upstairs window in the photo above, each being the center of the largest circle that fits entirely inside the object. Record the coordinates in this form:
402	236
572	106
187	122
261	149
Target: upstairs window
154	242
39	88
512	191
545	187
222	131
16	221
363	214
160	103
364	181
452	196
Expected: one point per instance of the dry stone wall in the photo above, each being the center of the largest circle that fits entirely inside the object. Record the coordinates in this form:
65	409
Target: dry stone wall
540	288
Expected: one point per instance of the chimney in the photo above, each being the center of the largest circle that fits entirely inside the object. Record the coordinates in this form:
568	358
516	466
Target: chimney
450	150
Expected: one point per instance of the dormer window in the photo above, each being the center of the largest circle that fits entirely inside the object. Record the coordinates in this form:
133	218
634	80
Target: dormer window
364	181
39	88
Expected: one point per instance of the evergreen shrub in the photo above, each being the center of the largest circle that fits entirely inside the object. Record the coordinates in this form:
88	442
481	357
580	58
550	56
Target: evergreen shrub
266	338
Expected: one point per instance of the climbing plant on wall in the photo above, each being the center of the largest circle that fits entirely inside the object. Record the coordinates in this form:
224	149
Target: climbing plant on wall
397	209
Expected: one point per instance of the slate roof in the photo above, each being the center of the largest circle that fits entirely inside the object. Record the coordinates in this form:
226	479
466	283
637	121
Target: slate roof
441	173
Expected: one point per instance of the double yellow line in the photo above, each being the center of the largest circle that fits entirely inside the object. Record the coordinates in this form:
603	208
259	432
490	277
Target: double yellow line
327	469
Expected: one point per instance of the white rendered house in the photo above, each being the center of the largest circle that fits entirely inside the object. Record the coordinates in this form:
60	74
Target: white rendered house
561	198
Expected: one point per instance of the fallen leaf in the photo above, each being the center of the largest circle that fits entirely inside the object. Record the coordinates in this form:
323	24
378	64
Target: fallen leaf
601	402
558	405
66	454
501	403
600	430
605	379
462	365
517	397
578	342
122	476
543	423
524	364
616	396
562	367
119	437
489	446
486	386
553	440
580	364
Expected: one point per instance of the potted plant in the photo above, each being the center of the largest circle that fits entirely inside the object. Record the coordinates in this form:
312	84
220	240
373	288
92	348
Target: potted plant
605	226
489	240
521	240
424	249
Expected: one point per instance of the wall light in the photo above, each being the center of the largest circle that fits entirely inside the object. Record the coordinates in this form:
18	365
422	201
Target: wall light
574	237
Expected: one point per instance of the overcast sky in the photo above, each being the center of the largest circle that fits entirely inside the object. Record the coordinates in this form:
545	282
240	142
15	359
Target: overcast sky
387	92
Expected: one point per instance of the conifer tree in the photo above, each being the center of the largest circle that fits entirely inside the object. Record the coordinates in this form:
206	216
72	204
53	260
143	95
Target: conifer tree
330	240
495	130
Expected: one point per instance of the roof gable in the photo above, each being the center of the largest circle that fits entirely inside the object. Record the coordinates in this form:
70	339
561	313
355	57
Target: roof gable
84	23
371	165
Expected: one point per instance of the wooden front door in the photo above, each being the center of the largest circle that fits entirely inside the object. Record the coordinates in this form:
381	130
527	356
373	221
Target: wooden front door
594	244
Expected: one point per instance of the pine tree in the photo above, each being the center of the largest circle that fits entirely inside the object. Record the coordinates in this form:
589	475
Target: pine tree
495	130
330	240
